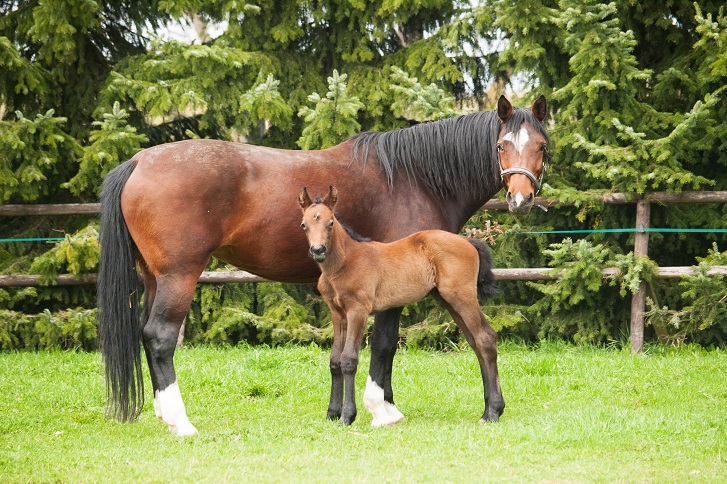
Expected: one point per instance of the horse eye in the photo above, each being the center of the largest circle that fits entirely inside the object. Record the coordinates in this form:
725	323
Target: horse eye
500	147
330	224
303	225
544	148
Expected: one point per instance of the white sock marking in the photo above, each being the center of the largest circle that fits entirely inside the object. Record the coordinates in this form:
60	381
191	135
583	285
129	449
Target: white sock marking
169	407
384	413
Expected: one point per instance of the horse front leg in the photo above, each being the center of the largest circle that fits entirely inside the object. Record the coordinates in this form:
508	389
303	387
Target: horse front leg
171	304
338	319
379	396
356	324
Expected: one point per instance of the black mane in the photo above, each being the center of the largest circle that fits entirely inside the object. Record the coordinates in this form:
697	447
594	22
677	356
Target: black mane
450	156
354	235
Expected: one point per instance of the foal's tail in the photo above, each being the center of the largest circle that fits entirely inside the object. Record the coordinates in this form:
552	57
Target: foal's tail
486	284
118	303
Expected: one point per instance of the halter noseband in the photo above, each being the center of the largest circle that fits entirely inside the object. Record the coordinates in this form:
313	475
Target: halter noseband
521	170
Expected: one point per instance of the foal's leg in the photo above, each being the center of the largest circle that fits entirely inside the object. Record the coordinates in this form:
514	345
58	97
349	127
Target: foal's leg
483	340
356	323
338	319
171	304
379	396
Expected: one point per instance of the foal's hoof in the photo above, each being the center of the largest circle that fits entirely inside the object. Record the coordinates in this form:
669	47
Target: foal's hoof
333	415
485	420
347	419
492	414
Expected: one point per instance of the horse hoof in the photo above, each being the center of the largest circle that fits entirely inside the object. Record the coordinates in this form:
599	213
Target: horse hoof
390	417
184	430
347	420
333	416
490	416
386	423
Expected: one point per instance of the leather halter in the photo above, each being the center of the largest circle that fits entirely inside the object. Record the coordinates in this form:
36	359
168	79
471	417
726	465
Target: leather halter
521	170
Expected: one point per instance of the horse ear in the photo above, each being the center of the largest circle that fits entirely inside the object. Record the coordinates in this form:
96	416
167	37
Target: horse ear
332	197
304	199
540	108
504	109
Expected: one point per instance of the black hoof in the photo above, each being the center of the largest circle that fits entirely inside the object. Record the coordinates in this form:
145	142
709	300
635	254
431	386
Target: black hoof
492	413
348	419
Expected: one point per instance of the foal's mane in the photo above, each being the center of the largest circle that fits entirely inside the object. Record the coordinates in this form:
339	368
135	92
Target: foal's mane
456	155
352	233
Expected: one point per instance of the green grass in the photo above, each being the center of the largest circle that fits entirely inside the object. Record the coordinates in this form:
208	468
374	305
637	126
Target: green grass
574	414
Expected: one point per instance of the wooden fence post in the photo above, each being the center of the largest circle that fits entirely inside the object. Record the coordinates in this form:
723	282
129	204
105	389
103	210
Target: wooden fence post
638	300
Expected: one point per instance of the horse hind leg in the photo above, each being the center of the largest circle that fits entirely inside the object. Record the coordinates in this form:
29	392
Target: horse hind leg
150	287
171	301
483	340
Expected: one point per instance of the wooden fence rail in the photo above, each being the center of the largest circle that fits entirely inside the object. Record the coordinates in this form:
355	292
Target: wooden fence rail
218	277
607	198
643	205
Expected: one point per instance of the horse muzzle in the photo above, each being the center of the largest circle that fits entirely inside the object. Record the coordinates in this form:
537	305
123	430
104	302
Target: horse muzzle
518	204
318	252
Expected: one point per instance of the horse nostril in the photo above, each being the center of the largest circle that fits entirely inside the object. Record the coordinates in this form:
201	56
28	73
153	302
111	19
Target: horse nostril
318	250
518	203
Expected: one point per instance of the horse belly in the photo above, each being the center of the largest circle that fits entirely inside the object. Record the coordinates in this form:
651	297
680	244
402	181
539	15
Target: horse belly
403	287
276	262
398	299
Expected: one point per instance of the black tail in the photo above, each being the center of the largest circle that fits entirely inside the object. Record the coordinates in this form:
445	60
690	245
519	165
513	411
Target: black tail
486	284
118	303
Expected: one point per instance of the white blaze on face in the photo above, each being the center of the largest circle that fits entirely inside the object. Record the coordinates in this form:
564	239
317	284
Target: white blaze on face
169	407
384	413
519	139
519	199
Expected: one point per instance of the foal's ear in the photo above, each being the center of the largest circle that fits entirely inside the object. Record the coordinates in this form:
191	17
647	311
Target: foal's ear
304	199
540	108
504	109
332	197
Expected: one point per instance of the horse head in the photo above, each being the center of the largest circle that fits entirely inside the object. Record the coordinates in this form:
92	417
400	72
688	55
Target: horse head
318	221
523	155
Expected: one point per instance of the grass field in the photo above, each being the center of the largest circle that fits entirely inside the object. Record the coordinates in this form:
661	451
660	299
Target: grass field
574	414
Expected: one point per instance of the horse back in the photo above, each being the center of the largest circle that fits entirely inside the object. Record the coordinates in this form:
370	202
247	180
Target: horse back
406	270
454	261
189	200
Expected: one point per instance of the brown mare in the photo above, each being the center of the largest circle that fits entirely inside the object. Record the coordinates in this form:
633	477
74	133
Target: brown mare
173	206
361	277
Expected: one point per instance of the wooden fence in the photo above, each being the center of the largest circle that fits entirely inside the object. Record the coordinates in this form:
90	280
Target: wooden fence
638	300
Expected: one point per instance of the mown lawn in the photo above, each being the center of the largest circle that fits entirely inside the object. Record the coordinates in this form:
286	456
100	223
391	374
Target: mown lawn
574	414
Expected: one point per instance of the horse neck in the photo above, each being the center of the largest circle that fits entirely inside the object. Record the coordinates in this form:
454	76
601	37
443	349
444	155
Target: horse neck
455	159
462	208
340	248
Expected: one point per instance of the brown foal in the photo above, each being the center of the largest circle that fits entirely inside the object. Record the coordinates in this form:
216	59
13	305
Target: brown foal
362	277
